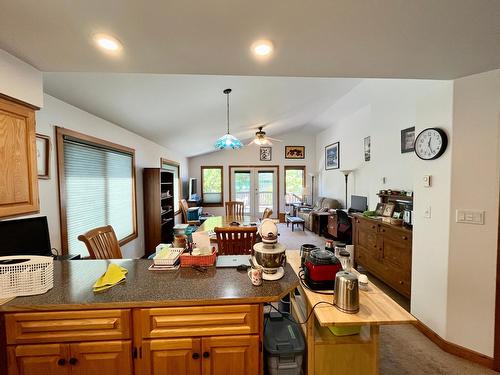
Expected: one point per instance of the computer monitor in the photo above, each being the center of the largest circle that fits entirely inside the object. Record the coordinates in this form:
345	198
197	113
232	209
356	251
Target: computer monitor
25	237
358	203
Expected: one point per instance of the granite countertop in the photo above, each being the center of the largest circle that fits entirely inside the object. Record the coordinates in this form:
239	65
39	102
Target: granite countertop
73	281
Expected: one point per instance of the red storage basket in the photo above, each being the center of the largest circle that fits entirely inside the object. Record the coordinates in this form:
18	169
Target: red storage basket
198	260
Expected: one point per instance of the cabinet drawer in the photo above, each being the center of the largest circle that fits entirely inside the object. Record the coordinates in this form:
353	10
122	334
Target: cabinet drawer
367	225
396	235
67	326
198	321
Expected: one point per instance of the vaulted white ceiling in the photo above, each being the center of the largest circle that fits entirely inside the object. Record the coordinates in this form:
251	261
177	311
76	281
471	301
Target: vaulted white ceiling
188	112
438	39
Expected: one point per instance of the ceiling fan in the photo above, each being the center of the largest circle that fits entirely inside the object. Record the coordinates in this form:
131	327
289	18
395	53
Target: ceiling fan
262	140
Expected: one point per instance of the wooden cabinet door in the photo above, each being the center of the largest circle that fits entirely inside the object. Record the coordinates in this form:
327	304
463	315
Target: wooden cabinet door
45	359
18	170
231	355
106	357
171	357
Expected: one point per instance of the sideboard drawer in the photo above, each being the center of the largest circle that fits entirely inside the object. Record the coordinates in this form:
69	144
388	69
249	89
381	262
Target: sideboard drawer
62	326
198	321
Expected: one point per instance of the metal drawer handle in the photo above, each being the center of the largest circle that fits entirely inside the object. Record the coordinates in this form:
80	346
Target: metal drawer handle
196	355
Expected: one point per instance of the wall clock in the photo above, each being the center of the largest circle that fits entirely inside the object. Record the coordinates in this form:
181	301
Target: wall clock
431	143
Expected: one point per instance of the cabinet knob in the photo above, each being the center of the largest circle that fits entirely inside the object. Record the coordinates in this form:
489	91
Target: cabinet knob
73	361
61	361
373	226
196	355
401	282
374	245
405	238
383	230
206	354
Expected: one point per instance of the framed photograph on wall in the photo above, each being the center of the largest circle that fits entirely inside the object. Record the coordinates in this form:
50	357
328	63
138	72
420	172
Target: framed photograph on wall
43	156
407	140
295	152
265	153
367	148
332	156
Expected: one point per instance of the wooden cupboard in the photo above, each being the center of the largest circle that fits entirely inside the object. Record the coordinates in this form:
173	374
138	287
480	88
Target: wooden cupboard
384	250
194	340
18	169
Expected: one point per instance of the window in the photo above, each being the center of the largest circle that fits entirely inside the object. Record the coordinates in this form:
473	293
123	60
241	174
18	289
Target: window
212	191
295	183
175	169
97	188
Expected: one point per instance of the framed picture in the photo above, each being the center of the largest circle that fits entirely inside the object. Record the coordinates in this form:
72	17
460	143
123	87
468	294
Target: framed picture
389	209
265	153
380	209
396	215
43	156
332	156
295	152
407	140
367	148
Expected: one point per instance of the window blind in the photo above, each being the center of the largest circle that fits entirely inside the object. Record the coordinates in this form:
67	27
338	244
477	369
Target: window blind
99	191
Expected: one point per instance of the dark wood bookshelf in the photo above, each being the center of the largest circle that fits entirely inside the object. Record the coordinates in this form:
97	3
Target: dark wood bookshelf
159	215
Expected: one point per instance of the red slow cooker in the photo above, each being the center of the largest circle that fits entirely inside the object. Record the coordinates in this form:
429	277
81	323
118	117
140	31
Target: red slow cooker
320	269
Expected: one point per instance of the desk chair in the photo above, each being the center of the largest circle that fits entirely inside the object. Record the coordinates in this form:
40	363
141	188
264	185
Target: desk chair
184	209
344	227
235	241
102	243
234	208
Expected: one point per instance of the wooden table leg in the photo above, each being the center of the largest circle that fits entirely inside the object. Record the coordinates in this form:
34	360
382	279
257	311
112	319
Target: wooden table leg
310	341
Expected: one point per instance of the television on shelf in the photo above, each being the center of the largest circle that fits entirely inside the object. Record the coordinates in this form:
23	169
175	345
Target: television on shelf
358	203
25	237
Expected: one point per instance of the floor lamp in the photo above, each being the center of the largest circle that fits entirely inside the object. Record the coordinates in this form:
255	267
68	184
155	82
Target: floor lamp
346	173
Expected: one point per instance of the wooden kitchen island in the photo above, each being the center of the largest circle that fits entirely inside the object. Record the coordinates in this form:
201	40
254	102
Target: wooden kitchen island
178	322
355	354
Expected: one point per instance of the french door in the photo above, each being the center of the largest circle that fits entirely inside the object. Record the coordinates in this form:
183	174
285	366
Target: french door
256	187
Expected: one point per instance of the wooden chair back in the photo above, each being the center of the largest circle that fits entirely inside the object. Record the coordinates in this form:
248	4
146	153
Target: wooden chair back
267	213
184	209
102	243
235	241
234	208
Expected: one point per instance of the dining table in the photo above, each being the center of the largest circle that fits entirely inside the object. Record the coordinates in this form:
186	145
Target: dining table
213	222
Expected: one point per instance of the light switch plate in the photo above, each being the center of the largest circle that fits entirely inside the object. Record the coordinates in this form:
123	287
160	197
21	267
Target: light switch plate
426	181
470	216
427	212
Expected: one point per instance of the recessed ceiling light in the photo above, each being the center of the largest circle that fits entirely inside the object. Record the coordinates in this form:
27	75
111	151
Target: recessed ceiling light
107	42
262	48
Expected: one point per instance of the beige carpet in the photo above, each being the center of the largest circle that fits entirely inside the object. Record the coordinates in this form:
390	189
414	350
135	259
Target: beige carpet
403	349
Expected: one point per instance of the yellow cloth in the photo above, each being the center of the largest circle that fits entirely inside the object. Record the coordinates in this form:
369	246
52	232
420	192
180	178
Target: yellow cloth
114	274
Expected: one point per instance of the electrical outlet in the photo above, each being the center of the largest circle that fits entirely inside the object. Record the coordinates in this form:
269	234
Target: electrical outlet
427	212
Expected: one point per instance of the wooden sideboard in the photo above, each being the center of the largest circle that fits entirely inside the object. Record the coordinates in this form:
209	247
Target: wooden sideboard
384	250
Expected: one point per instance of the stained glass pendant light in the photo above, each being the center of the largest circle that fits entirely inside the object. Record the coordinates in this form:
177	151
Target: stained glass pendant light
228	140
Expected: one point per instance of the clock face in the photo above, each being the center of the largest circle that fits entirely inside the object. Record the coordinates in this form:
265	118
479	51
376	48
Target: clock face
431	144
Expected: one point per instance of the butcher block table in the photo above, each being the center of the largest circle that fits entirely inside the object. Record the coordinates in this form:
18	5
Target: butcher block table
355	354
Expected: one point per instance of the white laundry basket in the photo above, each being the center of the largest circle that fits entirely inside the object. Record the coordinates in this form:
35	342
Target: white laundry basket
25	275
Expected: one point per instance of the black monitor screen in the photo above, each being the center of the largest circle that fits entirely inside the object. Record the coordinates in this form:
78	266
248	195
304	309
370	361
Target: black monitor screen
359	203
25	237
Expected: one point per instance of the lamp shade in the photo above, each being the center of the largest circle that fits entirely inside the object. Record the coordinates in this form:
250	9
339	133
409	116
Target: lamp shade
228	141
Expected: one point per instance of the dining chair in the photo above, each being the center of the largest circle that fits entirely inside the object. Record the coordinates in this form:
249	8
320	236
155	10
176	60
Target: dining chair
267	213
235	241
102	243
234	208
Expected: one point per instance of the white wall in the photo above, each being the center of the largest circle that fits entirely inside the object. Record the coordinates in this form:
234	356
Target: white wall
381	109
20	80
431	235
147	154
250	156
378	108
474	185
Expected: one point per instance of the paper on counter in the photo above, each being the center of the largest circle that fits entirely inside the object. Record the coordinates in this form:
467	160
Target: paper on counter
201	239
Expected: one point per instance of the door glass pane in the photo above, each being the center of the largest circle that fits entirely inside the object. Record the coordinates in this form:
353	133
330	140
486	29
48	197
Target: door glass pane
242	187
294	184
265	190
